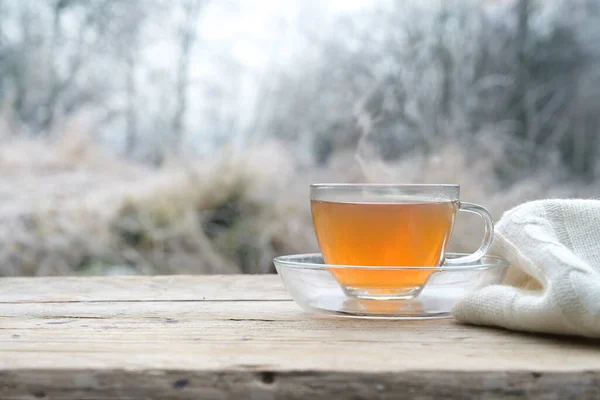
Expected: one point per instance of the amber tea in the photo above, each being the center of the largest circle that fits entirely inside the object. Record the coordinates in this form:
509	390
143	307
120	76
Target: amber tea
383	234
387	226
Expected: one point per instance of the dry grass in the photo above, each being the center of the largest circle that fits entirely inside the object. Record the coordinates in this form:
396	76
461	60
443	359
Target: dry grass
69	209
68	212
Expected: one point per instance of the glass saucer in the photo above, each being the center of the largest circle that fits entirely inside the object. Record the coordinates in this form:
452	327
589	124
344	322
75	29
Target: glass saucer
314	287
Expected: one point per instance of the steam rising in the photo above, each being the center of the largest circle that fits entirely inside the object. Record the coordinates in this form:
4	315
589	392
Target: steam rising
374	169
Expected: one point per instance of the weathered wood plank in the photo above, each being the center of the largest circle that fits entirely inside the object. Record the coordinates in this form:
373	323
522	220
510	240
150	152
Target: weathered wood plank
210	334
274	385
228	355
212	337
142	288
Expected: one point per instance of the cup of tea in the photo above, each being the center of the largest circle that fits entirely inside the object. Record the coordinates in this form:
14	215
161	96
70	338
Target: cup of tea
372	228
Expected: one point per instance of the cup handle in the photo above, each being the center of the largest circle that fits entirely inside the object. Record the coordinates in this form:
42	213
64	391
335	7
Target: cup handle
486	243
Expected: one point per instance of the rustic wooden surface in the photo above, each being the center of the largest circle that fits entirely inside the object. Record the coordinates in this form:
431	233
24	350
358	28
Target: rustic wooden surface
241	337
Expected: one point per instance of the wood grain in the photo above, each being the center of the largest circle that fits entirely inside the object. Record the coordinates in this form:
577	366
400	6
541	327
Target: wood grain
268	385
147	288
240	337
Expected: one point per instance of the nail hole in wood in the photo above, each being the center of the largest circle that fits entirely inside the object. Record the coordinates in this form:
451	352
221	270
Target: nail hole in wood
180	384
267	377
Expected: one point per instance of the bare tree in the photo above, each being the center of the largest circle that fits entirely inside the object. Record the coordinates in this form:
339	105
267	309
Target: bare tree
129	19
3	52
522	77
44	63
57	6
130	89
186	37
19	67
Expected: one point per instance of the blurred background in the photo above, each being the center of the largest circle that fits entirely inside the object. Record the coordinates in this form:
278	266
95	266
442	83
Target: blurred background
180	136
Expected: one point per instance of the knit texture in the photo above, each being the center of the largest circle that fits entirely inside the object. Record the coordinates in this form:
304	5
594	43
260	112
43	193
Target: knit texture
553	283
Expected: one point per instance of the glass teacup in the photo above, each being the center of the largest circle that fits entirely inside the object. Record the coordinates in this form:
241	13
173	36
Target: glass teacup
382	225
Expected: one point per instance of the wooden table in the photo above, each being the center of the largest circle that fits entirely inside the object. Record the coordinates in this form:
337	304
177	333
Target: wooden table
241	337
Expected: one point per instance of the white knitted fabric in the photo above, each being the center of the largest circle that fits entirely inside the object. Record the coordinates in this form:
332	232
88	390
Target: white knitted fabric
553	284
